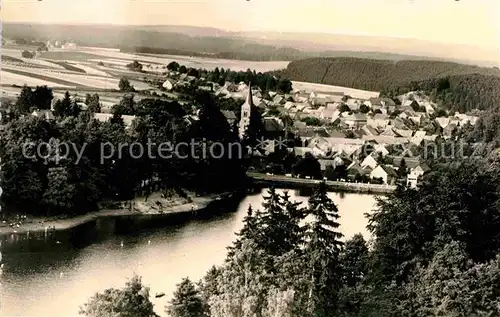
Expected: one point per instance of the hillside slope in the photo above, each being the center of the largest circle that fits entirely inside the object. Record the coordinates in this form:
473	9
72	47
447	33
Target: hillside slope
460	87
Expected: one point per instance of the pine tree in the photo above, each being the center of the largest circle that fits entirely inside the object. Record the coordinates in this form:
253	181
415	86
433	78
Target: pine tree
322	249
63	108
248	232
278	229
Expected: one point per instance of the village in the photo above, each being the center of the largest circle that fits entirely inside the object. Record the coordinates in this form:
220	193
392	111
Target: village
360	138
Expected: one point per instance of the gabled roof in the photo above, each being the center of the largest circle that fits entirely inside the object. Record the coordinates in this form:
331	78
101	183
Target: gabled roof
389	170
356	117
271	125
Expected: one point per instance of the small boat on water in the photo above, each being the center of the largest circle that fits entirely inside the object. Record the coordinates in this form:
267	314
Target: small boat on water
159	295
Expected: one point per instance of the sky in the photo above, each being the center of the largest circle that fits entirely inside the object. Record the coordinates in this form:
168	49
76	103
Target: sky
473	22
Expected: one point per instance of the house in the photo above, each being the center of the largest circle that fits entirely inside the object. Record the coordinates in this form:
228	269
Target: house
168	85
374	102
387	102
289	105
385	140
449	130
354	168
301	97
405	133
380	149
355	121
329	114
230	117
386	173
416	173
368	130
442	122
378	121
409	104
369	161
104	117
324	163
273	128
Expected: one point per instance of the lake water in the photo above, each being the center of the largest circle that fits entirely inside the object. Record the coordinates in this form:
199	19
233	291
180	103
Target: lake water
45	278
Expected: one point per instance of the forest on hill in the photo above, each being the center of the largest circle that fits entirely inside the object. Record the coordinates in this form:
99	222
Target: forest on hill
460	87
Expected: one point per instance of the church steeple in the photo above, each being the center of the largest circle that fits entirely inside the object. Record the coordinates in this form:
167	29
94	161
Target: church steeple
246	110
249	99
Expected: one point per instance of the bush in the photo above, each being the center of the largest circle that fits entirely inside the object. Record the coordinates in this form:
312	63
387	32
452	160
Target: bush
27	54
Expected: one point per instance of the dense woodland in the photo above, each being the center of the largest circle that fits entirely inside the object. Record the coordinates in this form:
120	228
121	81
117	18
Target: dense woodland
459	87
51	183
265	81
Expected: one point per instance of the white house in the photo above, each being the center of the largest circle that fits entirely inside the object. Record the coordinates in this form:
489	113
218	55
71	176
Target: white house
104	117
370	162
416	173
45	114
168	85
386	173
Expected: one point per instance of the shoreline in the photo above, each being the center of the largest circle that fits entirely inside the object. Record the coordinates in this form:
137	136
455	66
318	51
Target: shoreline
38	225
292	182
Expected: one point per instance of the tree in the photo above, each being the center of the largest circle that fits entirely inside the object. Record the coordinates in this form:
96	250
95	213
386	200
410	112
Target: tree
354	260
135	66
344	108
308	166
64	108
455	202
25	101
130	301
125	85
92	102
451	285
277	228
402	170
173	66
42	97
364	108
187	301
322	252
27	54
311	121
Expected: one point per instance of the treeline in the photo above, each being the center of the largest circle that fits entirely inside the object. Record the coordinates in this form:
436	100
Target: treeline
460	87
248	52
265	81
39	176
435	252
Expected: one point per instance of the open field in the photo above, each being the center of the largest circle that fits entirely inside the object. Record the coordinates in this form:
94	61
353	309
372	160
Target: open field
355	93
16	77
116	57
69	79
80	68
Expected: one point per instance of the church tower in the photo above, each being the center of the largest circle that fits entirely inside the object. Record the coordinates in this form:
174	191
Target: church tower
246	110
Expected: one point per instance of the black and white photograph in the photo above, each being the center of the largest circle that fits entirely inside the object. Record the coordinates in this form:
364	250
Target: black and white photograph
250	158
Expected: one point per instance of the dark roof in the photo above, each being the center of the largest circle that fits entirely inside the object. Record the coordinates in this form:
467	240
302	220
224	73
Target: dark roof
272	125
411	162
389	170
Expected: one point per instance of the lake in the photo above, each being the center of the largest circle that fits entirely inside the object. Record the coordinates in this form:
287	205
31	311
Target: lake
51	277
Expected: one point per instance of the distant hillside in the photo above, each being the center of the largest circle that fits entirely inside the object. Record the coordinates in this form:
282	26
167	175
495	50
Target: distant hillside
263	46
460	87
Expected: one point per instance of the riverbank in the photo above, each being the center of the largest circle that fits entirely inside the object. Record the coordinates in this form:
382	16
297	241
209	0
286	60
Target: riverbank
154	205
298	183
